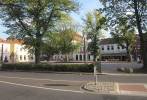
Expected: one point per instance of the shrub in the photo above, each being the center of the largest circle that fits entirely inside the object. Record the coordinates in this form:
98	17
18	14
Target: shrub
49	67
126	70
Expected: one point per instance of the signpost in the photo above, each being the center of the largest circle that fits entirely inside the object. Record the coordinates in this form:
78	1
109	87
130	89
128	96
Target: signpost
97	68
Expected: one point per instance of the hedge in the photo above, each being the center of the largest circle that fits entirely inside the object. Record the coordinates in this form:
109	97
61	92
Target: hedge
49	67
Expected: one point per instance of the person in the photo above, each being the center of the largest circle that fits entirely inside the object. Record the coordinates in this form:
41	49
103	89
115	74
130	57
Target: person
6	59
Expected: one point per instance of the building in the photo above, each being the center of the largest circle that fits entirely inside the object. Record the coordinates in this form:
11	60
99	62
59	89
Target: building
111	51
12	51
77	55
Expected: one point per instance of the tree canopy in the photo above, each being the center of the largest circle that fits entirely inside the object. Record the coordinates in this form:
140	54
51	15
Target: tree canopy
124	35
30	20
94	23
135	11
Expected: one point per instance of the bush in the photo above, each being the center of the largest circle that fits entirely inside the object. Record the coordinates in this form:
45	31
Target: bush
49	67
126	70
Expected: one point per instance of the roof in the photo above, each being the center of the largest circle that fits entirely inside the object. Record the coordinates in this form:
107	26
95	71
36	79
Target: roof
107	41
15	41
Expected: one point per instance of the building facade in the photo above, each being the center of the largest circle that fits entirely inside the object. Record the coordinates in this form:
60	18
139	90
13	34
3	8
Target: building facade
79	55
111	51
13	51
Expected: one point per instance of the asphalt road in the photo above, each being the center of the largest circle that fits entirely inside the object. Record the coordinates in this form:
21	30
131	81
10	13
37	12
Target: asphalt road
12	92
111	67
80	77
53	86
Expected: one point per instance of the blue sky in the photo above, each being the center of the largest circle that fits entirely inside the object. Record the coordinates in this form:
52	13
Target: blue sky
85	6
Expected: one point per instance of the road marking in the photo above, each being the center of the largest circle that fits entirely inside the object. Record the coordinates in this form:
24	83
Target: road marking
145	85
117	87
40	79
124	74
38	87
133	93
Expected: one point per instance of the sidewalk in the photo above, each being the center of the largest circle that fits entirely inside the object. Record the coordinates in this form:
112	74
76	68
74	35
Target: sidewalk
133	89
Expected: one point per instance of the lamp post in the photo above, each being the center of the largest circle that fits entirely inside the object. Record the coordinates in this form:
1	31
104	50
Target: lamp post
84	48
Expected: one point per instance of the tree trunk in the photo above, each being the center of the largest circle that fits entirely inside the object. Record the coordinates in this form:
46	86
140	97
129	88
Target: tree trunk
37	50
84	50
94	58
128	53
145	56
142	44
37	55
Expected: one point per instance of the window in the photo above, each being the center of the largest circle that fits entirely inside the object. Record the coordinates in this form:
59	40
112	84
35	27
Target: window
6	50
20	57
102	48
118	47
112	48
20	49
24	57
32	58
80	57
77	57
108	48
123	47
89	57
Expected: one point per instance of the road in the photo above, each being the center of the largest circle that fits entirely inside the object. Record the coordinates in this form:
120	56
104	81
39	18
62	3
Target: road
112	67
53	86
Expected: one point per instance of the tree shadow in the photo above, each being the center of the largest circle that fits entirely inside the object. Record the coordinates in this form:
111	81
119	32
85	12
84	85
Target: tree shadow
109	97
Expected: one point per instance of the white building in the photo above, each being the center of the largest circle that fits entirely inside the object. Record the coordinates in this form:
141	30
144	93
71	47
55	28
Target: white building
111	51
77	55
13	51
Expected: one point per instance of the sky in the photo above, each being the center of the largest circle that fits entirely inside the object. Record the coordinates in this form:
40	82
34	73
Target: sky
85	7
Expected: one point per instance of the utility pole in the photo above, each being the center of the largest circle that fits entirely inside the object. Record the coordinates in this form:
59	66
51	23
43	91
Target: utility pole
84	49
2	53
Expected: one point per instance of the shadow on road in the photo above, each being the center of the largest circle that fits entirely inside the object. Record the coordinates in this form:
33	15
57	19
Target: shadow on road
109	97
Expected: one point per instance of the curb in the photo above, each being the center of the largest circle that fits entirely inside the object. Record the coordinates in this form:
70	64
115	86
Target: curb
81	73
117	91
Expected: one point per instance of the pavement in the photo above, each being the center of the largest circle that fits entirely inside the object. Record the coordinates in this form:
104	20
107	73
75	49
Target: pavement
55	86
132	89
116	88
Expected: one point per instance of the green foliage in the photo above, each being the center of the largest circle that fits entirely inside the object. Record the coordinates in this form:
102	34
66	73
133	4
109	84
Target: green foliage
60	42
115	9
124	34
51	44
136	13
30	20
65	45
94	23
49	67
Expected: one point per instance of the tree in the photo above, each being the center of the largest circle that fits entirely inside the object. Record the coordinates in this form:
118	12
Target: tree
94	23
67	36
124	35
50	45
136	11
30	20
61	41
